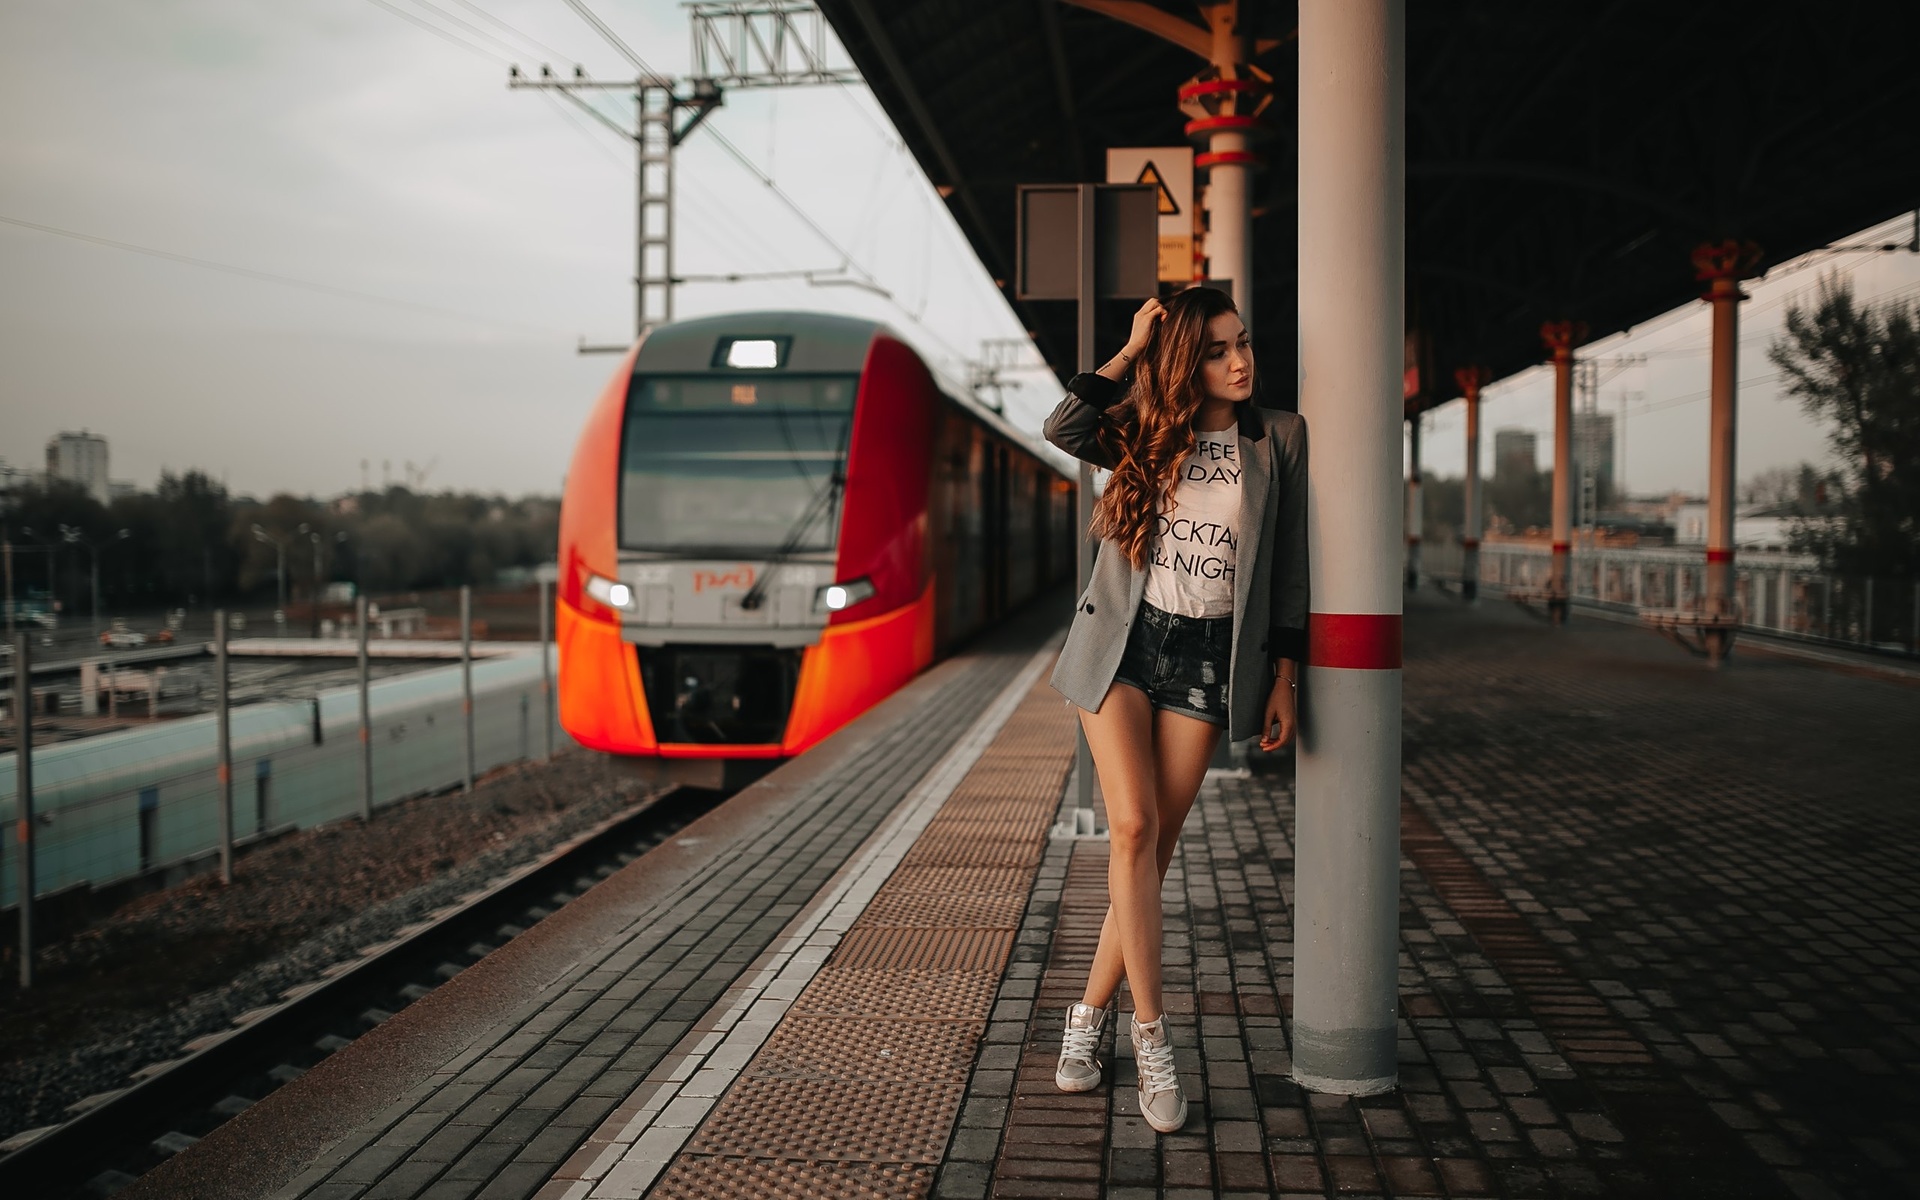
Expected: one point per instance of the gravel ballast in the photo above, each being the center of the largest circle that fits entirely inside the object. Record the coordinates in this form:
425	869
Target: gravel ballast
174	965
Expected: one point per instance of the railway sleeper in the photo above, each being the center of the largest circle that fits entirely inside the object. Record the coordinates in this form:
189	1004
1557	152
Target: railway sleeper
107	1183
171	1143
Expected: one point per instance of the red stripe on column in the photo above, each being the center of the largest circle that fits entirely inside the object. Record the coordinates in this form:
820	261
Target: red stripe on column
1719	556
1562	547
1354	641
1470	543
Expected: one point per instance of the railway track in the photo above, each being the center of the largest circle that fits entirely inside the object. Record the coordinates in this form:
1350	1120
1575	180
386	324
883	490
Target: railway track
114	1137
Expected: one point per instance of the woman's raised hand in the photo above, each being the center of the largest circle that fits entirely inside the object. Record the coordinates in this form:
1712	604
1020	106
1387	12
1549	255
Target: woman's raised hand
1144	321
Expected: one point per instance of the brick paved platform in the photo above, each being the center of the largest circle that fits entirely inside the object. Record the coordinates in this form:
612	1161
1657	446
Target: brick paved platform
1658	939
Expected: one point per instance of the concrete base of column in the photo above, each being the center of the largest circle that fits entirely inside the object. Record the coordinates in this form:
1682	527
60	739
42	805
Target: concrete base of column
1720	602
1347	883
1470	574
1413	565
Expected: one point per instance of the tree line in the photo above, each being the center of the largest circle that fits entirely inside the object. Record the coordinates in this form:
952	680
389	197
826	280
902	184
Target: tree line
190	542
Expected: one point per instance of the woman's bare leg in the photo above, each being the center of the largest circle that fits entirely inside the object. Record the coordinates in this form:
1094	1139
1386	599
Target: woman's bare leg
1120	736
1182	748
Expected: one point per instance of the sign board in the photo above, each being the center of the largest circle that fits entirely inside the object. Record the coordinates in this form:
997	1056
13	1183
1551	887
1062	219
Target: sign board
1169	170
1124	223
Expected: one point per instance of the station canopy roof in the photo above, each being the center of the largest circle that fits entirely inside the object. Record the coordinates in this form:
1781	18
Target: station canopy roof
1563	160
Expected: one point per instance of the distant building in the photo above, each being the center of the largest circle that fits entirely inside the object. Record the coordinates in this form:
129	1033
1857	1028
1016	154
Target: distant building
1690	524
1755	526
1515	452
80	458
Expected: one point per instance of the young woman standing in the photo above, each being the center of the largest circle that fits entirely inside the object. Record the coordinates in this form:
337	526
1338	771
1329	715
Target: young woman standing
1195	622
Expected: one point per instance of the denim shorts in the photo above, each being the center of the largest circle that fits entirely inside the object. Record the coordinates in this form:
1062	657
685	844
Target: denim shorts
1179	662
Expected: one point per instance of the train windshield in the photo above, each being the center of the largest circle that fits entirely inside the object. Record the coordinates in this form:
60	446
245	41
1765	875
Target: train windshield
730	465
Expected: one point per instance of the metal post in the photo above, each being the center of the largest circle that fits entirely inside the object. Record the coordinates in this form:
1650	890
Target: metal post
224	735
1352	255
1915	644
1083	495
1866	617
1826	606
466	677
1470	380
1561	337
93	556
366	713
1413	504
546	671
313	621
1721	265
23	797
6	549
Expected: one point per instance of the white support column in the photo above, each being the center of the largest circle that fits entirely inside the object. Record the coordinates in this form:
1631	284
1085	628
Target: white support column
1352	323
1227	119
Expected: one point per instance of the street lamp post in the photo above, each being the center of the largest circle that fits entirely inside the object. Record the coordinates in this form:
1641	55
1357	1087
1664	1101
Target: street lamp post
77	538
279	574
313	622
48	548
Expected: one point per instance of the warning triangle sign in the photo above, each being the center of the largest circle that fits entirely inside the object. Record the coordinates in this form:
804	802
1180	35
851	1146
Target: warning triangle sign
1149	173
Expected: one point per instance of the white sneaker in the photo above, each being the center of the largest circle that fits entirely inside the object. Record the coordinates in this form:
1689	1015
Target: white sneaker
1161	1101
1079	1070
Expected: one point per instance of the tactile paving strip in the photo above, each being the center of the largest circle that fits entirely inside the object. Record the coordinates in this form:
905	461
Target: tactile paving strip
893	948
958	850
899	995
959	881
856	1091
832	1121
786	1179
931	909
877	1050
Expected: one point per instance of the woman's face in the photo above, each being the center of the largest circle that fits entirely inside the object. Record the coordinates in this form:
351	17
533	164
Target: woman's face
1226	359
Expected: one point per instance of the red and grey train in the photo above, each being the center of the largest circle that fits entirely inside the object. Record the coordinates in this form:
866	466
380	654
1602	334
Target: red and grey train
772	521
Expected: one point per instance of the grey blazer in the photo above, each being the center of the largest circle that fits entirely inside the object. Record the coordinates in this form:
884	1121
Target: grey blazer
1270	578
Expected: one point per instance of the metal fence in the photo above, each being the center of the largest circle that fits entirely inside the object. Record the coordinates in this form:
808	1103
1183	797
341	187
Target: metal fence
1776	593
116	805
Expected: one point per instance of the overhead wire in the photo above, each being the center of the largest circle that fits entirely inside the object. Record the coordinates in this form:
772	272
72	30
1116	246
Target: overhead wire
536	43
325	289
443	34
848	261
609	36
463	23
586	131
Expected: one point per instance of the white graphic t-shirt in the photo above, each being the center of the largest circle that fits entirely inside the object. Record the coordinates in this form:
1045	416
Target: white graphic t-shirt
1196	543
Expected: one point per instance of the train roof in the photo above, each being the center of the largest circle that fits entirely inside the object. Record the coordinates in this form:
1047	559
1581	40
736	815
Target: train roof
811	342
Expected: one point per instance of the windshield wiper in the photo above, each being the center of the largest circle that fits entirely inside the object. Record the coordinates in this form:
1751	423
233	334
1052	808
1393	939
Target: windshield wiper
790	544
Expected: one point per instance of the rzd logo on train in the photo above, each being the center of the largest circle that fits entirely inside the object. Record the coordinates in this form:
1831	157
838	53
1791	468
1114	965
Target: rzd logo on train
740	577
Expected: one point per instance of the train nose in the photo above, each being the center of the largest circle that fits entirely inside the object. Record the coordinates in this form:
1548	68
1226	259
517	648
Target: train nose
719	694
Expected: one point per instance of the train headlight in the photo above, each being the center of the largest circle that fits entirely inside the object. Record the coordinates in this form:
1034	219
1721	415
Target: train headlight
610	592
836	596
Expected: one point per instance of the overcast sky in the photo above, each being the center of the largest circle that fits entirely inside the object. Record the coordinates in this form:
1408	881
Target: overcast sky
480	232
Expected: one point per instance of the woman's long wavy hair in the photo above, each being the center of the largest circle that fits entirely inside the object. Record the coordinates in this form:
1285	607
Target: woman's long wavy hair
1150	431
